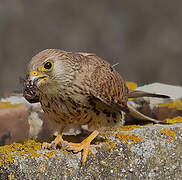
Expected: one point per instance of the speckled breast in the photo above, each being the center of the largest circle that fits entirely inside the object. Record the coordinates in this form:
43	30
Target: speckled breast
94	112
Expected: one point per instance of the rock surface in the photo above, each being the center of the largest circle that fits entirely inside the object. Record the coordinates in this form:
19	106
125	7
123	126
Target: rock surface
148	152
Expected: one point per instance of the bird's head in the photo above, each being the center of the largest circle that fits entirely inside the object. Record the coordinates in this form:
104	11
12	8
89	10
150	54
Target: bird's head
50	68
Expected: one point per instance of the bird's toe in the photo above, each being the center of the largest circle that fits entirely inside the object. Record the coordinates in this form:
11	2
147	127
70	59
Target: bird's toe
46	145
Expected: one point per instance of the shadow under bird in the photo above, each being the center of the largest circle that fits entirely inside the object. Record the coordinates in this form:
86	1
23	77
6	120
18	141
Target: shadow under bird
81	89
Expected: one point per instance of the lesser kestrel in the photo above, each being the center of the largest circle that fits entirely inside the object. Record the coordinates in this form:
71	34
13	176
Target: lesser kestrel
77	88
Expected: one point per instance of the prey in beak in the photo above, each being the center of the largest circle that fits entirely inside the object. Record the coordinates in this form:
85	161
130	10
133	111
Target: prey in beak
31	83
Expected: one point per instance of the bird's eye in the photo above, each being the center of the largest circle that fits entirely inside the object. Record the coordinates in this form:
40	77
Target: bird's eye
47	66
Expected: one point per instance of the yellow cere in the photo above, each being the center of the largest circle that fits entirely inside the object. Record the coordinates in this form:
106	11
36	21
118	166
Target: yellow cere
168	132
8	105
26	149
173	104
131	85
129	137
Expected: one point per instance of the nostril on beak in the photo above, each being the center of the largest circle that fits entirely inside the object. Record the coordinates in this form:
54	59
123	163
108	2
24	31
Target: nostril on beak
33	73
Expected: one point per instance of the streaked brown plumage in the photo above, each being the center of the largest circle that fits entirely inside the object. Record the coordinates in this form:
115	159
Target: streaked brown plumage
77	88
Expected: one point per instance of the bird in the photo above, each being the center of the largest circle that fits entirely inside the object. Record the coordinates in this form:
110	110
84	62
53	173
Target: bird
78	88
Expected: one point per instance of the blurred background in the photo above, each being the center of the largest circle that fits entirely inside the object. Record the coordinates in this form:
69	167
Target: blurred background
144	37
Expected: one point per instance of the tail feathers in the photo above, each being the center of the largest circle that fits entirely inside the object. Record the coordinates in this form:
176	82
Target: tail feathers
136	94
139	116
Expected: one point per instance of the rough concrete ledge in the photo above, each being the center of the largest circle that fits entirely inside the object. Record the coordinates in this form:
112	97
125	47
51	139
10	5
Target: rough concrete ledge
148	152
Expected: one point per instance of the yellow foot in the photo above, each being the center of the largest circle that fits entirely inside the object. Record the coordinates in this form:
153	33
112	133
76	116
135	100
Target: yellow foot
54	143
77	147
84	145
46	145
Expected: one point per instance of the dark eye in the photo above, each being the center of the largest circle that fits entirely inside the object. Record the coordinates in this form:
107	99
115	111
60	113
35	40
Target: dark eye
48	65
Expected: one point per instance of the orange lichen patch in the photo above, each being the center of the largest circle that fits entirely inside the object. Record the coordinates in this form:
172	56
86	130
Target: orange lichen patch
129	137
119	160
131	85
104	163
27	149
168	132
177	119
11	176
107	133
8	105
128	127
50	153
173	104
71	172
42	167
129	148
91	153
110	145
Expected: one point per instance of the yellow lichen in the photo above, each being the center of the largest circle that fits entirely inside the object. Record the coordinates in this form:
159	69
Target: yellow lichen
129	137
1	162
91	153
110	145
8	105
131	85
11	176
107	133
49	154
104	163
71	172
173	104
26	149
168	132
177	119
42	167
128	127
129	147
35	155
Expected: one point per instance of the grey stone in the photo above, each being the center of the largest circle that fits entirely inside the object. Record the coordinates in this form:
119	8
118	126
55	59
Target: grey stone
157	155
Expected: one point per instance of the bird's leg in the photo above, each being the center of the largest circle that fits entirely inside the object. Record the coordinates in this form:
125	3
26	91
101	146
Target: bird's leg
75	147
55	142
84	145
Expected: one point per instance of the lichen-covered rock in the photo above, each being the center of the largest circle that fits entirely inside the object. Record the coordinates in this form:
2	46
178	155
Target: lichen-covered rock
132	152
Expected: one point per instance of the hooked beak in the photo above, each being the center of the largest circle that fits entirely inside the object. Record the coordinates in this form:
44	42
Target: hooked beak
37	78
